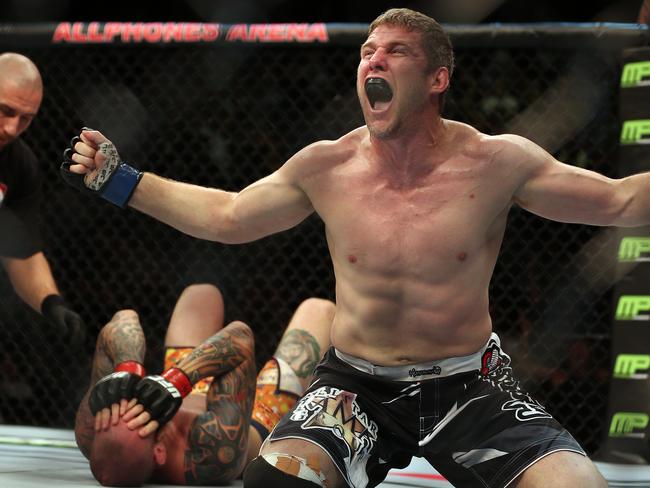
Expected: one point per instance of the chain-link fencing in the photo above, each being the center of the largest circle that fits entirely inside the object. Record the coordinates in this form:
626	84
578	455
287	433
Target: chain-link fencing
227	114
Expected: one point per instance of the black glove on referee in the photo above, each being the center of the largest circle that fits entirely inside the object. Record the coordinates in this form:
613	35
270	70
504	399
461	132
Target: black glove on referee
68	323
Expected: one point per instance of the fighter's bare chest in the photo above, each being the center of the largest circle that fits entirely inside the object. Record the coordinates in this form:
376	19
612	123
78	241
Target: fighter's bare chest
445	215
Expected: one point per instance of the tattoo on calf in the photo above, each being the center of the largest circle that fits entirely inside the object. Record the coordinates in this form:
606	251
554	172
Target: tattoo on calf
301	350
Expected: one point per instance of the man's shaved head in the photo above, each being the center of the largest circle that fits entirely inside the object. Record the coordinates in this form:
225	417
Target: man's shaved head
21	94
19	69
120	457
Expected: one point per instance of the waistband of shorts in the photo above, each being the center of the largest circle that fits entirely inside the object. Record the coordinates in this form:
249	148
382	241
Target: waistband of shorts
423	371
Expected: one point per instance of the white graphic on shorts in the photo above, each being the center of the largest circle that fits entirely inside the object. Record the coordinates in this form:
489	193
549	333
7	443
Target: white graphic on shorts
337	411
497	371
453	412
409	391
526	408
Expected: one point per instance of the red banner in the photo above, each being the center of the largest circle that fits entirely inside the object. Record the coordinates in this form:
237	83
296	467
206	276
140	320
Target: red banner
185	32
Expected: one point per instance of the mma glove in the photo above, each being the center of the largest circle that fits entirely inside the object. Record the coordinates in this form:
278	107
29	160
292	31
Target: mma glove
115	181
116	386
162	395
68	323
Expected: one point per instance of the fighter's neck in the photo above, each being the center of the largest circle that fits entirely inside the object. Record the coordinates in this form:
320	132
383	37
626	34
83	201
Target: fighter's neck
412	146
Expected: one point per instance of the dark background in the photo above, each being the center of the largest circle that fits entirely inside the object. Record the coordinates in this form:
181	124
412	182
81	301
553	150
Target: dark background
243	11
257	105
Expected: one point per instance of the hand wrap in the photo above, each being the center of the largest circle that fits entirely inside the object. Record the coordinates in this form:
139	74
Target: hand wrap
115	181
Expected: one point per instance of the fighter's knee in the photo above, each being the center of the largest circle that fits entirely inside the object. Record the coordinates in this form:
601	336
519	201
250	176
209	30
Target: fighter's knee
284	470
568	470
318	306
203	290
593	478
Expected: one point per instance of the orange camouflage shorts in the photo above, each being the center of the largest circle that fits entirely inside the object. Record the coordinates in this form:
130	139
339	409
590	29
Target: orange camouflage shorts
271	403
174	355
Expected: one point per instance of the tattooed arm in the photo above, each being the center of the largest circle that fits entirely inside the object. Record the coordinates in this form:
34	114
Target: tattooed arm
218	438
120	340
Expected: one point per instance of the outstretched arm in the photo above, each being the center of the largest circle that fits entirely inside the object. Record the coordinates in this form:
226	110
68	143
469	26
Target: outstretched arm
119	341
565	193
270	205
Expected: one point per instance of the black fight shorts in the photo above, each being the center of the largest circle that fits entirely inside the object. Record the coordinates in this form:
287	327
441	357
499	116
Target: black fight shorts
467	416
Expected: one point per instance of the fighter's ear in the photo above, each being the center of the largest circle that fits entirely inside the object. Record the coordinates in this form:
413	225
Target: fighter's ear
439	80
159	453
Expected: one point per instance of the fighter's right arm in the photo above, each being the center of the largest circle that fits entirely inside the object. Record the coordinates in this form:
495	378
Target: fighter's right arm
272	204
120	342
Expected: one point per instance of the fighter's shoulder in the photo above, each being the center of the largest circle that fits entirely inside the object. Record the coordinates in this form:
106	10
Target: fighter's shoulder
467	138
326	153
505	147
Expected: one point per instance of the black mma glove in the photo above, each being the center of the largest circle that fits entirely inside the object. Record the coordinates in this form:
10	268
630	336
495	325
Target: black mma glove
115	181
69	325
116	386
162	396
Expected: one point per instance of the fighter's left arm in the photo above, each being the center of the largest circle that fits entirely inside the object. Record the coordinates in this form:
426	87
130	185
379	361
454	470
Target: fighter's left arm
218	439
565	193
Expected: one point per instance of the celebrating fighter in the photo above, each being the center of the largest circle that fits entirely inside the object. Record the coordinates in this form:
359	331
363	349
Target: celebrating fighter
415	208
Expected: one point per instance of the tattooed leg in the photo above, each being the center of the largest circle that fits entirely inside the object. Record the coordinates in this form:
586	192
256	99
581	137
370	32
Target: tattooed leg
307	337
285	377
120	340
218	439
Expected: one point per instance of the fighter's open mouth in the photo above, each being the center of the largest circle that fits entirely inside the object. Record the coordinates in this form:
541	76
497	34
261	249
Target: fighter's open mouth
379	93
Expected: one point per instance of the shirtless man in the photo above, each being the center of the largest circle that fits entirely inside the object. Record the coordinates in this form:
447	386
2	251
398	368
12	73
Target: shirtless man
218	428
415	209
